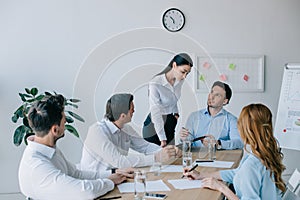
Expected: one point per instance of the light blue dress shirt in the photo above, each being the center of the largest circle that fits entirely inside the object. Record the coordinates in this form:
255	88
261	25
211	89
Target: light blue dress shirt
251	180
223	127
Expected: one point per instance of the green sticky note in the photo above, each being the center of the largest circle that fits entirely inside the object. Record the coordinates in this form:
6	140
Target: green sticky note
231	66
201	77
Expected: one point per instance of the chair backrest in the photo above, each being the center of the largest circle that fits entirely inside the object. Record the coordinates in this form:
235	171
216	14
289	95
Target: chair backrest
289	195
293	187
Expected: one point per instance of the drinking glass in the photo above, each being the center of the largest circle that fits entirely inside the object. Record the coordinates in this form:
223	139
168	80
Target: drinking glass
187	160
139	185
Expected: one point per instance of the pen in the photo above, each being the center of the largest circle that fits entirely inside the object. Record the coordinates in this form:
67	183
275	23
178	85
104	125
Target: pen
200	161
108	198
187	130
191	169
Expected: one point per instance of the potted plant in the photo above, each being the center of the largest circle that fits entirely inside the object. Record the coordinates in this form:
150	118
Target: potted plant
28	99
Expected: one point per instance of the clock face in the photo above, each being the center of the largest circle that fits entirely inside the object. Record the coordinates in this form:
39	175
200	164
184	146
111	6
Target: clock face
173	20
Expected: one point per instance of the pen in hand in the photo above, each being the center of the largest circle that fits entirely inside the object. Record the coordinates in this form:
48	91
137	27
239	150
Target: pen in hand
187	131
194	167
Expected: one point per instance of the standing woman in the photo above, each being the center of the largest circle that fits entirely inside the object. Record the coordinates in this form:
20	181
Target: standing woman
259	173
164	92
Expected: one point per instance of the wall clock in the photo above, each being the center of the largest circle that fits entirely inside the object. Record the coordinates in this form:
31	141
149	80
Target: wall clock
173	19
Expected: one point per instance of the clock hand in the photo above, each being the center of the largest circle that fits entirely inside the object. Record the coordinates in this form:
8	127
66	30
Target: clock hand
172	20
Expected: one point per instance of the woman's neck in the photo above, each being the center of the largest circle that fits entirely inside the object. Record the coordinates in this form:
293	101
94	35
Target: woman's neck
170	77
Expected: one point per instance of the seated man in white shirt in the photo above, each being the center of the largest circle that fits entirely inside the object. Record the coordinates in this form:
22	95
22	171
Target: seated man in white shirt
44	173
108	141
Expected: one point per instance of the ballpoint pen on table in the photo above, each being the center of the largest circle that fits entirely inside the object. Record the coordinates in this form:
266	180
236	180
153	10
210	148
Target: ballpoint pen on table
200	161
194	167
108	198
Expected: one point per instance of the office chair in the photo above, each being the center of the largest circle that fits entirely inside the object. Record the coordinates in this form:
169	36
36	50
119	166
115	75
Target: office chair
293	187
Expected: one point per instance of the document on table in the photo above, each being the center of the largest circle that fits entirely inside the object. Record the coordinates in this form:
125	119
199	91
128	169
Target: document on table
169	168
182	184
151	186
215	163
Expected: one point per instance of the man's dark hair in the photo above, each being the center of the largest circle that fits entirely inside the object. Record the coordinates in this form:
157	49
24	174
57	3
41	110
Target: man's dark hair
46	113
226	87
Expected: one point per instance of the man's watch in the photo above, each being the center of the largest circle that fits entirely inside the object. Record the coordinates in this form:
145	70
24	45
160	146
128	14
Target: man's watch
219	145
113	170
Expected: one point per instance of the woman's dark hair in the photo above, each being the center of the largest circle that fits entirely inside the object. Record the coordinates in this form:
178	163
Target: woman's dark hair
179	59
46	113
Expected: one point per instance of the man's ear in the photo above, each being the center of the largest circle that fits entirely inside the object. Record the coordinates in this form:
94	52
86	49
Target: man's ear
54	129
225	102
122	115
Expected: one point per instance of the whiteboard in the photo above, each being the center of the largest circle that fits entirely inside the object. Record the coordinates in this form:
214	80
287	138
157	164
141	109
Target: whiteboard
287	125
244	73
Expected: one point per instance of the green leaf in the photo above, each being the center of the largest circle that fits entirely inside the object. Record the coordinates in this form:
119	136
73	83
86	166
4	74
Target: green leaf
27	95
27	91
34	91
31	100
72	130
25	122
40	97
69	119
48	94
74	100
71	104
14	118
75	116
19	134
22	97
20	111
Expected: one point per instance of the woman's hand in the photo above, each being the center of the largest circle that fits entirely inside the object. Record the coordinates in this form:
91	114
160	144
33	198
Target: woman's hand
163	143
193	175
213	183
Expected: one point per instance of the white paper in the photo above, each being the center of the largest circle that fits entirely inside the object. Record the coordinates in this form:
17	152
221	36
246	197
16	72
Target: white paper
169	168
215	163
183	184
151	186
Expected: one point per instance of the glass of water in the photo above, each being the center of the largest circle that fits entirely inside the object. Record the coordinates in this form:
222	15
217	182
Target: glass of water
186	146
156	168
187	160
139	185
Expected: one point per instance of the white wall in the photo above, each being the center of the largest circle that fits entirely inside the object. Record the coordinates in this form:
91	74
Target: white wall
48	44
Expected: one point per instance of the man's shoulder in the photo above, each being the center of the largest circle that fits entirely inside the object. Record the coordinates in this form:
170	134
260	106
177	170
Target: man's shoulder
96	128
229	114
198	112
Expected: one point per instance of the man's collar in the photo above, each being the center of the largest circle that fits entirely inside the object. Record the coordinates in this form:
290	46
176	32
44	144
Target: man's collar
41	148
111	126
221	112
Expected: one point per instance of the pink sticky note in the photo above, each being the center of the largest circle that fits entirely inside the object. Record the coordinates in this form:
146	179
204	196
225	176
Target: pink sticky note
246	77
223	77
206	65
